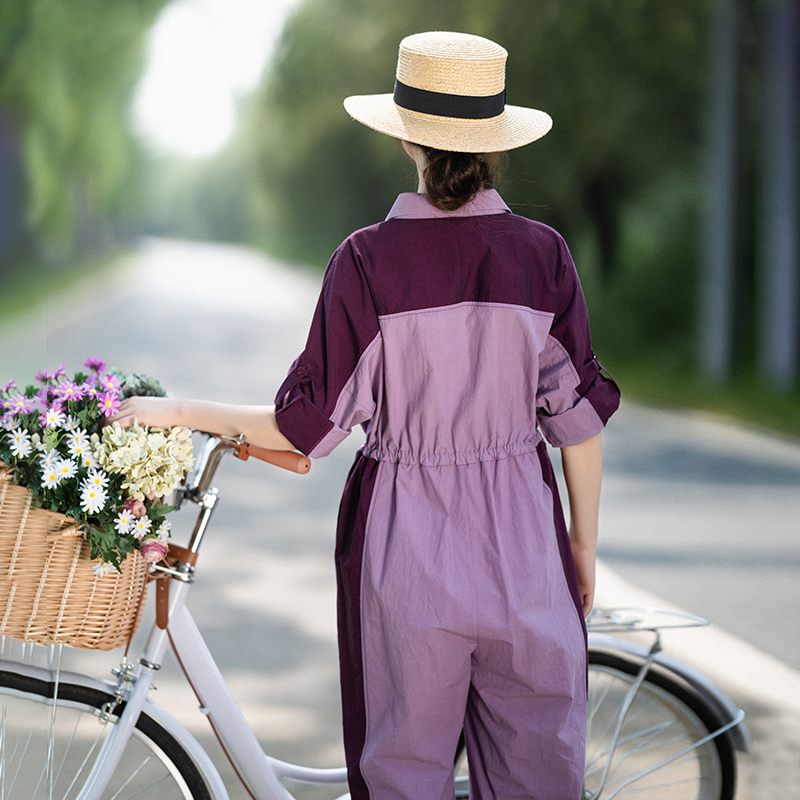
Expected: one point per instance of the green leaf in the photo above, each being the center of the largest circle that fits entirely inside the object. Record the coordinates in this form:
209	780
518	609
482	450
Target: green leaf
157	509
51	438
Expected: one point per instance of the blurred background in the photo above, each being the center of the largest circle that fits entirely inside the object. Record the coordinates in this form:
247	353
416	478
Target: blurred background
672	167
143	142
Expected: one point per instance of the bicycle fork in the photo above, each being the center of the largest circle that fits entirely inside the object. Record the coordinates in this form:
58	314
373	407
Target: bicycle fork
121	731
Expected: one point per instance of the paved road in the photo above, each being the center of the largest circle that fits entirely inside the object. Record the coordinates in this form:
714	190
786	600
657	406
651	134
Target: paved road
704	514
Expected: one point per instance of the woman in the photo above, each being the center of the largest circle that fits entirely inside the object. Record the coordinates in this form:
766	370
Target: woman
453	332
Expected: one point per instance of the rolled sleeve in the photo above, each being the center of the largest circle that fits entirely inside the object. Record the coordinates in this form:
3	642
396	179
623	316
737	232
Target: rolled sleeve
585	417
575	399
311	407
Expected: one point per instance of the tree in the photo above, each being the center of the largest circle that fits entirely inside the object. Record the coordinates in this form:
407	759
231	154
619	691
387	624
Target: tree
67	71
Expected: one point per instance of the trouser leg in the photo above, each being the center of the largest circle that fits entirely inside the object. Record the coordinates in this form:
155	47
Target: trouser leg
415	698
525	729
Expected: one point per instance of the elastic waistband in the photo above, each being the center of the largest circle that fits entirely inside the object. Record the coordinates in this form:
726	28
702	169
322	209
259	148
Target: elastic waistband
450	458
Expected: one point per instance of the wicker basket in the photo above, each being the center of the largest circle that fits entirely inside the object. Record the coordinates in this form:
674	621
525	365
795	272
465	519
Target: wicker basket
48	591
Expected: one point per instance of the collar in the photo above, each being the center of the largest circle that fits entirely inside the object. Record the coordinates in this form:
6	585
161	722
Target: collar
410	205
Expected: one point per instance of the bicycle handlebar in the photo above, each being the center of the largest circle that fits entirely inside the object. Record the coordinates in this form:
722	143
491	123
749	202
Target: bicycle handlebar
286	459
208	460
200	491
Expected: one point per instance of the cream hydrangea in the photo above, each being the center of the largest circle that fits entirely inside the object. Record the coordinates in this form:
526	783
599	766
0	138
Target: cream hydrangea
151	461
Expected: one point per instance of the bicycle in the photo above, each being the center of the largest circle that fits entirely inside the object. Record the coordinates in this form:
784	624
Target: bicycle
74	736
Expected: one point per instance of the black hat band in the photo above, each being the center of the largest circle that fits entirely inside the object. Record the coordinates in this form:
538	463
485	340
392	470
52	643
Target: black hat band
448	105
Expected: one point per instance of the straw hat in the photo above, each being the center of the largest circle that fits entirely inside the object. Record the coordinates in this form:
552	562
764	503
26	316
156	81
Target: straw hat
450	94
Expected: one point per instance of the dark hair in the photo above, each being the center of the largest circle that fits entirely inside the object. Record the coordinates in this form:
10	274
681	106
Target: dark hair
452	179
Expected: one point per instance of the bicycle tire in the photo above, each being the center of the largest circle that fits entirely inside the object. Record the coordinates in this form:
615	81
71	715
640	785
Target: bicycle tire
154	763
708	773
664	718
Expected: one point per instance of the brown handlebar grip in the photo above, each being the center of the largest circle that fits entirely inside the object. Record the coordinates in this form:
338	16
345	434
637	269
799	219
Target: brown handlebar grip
286	459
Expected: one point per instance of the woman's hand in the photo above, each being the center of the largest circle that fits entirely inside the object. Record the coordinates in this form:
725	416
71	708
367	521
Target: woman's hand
584	559
152	412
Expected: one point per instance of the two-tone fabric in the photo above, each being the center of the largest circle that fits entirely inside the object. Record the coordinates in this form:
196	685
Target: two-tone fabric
458	340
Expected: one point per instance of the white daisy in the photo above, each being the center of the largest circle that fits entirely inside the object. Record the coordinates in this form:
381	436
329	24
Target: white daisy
78	442
54	417
93	500
163	530
71	424
50	478
96	478
48	459
20	442
141	527
103	569
66	468
88	460
124	522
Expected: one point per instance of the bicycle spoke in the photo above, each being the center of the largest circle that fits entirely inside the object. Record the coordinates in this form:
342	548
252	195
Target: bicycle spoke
143	789
631	790
661	750
3	755
131	777
68	748
595	707
51	742
47	753
87	758
21	761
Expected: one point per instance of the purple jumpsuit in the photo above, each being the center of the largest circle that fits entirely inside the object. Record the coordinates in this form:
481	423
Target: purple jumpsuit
454	338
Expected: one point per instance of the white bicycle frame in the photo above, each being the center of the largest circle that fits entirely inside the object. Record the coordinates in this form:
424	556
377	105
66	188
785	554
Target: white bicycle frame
259	772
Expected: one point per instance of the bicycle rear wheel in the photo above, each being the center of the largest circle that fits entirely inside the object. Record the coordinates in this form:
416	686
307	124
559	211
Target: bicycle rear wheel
47	756
663	720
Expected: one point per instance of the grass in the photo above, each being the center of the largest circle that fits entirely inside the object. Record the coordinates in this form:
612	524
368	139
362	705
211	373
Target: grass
745	399
31	284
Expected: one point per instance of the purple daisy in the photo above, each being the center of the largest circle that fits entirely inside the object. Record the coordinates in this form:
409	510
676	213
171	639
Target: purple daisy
109	404
94	365
19	404
109	382
69	391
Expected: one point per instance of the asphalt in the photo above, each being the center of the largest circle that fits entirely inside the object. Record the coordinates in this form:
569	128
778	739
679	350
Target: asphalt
700	513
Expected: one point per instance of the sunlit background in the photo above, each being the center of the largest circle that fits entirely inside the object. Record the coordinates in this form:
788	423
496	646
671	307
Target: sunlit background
672	168
203	57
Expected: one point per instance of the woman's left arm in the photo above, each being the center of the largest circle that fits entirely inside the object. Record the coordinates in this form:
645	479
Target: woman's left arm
256	423
583	471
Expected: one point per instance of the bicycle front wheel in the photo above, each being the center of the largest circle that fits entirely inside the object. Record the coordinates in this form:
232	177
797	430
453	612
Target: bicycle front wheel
663	720
47	751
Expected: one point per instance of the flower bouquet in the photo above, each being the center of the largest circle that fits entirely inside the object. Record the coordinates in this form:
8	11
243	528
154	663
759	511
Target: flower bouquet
99	486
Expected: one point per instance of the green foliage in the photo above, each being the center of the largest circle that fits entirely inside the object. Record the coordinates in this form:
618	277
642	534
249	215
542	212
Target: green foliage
67	72
744	399
201	198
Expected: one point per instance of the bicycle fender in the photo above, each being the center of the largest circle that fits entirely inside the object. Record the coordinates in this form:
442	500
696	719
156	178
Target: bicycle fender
708	691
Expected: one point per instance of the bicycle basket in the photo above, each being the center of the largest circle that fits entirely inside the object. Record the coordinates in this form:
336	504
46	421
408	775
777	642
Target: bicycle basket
48	591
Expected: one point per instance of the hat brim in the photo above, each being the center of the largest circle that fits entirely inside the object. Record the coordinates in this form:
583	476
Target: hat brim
515	127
